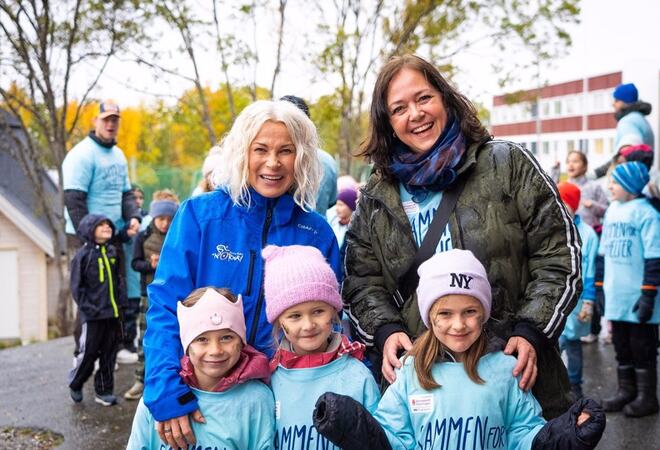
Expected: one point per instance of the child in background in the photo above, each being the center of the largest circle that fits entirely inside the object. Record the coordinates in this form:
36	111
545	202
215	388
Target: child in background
303	305
631	246
128	351
146	252
578	323
98	291
339	216
455	388
226	374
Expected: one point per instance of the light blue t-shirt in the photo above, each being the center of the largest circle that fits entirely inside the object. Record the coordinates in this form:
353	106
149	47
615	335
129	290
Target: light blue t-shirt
237	419
461	414
574	328
297	390
133	288
421	213
100	172
631	234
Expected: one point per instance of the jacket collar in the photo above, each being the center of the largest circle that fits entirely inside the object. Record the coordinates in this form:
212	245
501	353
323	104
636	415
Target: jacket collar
102	143
283	206
338	346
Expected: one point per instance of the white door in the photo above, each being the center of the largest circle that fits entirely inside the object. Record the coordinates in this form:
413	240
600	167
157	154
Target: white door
9	317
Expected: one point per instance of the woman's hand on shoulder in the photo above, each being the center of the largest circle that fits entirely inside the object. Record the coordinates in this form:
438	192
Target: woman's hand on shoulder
394	343
526	356
177	432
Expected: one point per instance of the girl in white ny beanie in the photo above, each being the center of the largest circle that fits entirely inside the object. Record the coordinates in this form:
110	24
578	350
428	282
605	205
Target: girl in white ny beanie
455	374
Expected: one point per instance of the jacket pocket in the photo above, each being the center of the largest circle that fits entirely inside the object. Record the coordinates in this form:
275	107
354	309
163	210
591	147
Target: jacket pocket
248	287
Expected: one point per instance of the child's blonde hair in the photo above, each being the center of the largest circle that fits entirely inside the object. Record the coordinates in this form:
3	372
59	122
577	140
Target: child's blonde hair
166	194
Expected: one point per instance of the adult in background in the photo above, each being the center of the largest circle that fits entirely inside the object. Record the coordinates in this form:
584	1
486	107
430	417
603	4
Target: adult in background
632	128
425	141
327	194
95	181
268	184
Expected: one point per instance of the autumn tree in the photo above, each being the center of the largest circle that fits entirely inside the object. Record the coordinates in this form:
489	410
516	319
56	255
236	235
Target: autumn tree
358	36
45	46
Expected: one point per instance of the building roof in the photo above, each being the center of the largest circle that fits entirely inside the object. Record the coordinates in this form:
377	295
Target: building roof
18	197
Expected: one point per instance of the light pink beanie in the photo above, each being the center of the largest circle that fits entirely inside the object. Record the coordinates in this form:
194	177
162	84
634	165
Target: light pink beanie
212	311
452	272
297	274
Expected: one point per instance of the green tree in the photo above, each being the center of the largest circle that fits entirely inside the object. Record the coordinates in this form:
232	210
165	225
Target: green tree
45	46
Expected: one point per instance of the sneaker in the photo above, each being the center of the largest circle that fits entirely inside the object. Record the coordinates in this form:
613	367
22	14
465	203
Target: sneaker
607	339
126	357
76	396
589	338
135	392
106	400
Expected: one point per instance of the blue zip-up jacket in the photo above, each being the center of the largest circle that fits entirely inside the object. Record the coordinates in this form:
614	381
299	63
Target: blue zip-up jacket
213	242
96	286
575	329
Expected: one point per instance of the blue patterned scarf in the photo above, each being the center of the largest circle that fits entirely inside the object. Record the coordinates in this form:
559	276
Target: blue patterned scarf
434	170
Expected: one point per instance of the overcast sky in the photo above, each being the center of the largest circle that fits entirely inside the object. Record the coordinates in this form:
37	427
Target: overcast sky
612	33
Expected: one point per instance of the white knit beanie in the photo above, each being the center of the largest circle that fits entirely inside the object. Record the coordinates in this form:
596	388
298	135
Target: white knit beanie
452	272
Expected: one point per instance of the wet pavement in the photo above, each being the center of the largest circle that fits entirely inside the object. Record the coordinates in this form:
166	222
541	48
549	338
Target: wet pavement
34	393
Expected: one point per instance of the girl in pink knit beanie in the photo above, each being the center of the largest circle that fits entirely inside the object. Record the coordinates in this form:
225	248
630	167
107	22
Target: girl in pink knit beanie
303	305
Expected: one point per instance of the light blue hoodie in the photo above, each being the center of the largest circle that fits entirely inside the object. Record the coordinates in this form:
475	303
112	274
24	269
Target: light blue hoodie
236	419
461	414
296	392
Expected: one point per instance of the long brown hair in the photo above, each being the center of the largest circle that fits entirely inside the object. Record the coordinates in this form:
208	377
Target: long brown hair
381	138
427	350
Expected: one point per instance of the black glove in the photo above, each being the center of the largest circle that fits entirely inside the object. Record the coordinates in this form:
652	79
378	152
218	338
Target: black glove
563	432
644	306
347	424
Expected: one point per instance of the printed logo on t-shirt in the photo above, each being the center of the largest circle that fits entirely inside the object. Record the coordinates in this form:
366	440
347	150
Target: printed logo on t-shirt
422	403
277	409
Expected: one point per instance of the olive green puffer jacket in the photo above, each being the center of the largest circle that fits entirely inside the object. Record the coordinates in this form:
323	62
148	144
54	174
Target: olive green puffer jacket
511	217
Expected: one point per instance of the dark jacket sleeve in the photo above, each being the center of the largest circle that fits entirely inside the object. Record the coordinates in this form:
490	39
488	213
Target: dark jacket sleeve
348	424
139	263
129	207
651	274
563	433
601	170
553	248
76	278
76	205
369	304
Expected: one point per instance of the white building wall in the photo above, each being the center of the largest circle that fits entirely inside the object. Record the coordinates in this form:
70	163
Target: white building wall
33	310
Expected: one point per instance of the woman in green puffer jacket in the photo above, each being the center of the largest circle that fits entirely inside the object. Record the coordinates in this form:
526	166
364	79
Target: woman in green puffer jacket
425	139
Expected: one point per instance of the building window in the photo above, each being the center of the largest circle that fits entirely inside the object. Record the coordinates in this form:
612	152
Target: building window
610	146
546	147
569	106
534	148
570	145
557	107
599	146
545	108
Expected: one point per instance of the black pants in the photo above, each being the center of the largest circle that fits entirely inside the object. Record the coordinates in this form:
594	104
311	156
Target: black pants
635	344
130	324
99	339
599	307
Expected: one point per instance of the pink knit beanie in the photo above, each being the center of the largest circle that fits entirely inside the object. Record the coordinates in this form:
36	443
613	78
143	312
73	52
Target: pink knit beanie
452	272
297	274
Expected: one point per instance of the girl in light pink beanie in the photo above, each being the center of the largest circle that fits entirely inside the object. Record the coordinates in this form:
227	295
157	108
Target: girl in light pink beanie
303	305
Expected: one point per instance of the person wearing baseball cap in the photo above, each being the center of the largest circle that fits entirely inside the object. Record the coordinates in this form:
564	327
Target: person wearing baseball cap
95	181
